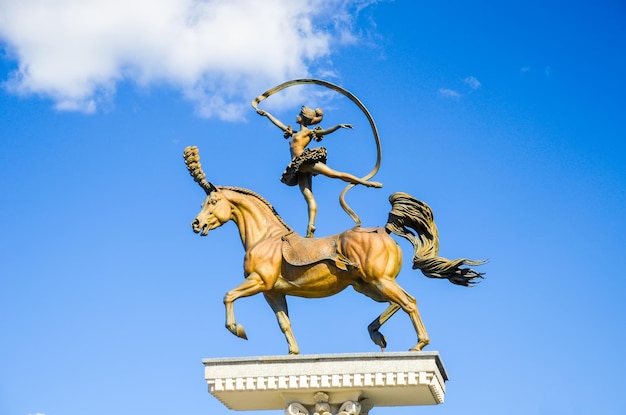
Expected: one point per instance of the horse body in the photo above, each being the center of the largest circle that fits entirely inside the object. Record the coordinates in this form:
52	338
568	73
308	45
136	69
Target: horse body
377	257
372	259
325	278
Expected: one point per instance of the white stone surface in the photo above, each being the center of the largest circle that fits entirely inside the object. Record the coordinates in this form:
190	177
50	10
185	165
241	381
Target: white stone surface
274	382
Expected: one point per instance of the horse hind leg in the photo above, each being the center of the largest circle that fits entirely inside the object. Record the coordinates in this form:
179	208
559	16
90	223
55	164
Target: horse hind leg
390	289
377	337
278	303
370	291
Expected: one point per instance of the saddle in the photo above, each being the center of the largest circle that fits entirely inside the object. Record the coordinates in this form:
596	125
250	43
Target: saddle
300	251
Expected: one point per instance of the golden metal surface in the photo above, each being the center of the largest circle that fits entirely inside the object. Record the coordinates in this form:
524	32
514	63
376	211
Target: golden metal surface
300	139
370	258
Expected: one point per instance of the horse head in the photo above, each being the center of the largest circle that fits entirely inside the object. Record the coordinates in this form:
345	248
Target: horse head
216	209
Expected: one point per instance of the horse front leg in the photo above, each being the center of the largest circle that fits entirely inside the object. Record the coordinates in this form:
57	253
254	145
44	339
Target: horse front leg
278	302
253	284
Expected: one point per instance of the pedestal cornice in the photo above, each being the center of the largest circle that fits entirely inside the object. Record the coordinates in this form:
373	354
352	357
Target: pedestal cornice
275	382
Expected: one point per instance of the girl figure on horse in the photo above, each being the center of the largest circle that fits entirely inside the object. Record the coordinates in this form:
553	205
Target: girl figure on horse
306	162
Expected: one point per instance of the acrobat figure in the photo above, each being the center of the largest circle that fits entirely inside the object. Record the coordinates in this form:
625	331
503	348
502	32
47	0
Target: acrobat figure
308	162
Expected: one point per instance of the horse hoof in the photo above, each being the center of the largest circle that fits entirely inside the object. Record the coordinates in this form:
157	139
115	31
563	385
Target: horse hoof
419	346
379	340
237	330
240	332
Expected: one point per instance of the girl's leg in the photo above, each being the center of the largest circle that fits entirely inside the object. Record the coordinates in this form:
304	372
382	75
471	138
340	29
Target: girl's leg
305	181
321	168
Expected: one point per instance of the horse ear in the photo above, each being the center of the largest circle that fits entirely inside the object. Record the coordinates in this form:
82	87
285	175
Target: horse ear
210	189
192	160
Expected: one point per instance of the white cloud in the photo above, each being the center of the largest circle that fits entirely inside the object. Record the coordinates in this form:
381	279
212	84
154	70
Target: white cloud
449	93
219	53
472	82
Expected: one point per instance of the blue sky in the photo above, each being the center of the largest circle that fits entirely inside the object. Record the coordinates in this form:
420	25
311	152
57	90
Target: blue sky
507	119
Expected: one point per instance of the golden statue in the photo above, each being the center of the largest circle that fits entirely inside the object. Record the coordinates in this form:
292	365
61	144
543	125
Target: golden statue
278	262
307	162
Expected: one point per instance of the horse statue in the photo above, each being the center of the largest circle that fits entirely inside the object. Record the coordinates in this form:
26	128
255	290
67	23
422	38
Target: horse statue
278	262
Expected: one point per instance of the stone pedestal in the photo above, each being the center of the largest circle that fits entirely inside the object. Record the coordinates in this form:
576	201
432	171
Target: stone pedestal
337	384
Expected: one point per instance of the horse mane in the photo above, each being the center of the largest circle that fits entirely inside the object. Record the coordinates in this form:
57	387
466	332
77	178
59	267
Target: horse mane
261	199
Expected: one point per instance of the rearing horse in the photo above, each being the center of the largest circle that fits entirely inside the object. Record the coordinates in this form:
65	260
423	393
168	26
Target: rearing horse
367	259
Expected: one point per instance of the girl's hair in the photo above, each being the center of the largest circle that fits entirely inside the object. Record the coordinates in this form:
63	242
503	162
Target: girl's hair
319	114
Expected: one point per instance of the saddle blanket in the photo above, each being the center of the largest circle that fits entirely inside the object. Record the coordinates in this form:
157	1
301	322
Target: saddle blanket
300	251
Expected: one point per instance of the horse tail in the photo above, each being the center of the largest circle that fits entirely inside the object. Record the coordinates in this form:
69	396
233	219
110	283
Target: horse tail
408	212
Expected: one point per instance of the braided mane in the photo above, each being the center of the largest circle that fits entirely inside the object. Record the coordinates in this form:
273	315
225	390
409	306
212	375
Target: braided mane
260	198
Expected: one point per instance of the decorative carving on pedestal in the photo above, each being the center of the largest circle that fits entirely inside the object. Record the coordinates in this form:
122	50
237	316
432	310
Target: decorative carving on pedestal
321	404
296	408
322	407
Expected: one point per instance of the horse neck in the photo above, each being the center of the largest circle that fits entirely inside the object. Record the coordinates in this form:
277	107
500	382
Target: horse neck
255	219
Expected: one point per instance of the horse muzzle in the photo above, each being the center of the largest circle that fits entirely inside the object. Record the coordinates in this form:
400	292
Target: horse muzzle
201	228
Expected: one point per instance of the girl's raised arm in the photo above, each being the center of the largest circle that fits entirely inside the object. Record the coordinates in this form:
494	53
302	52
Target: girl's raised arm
274	120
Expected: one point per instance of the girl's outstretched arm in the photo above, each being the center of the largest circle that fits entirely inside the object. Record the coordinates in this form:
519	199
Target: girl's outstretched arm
321	133
274	120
